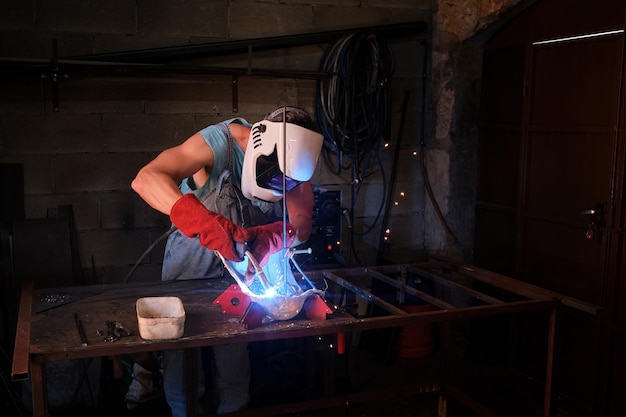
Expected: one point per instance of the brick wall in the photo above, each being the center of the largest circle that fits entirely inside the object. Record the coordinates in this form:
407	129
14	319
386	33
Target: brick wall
109	124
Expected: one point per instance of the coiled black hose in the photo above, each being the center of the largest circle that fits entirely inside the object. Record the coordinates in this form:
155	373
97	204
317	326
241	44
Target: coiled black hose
352	109
352	106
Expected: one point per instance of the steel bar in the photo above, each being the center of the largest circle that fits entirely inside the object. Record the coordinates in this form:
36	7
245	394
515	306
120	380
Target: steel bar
232	332
522	288
62	67
547	401
19	369
39	396
422	272
455	285
206	326
364	294
245	45
81	330
190	361
426	297
469	402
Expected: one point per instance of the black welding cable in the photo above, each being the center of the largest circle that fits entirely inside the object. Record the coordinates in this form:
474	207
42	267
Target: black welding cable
352	110
392	180
449	235
357	189
147	252
352	106
433	200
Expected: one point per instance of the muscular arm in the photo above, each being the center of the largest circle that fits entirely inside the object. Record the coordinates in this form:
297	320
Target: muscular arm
299	203
157	182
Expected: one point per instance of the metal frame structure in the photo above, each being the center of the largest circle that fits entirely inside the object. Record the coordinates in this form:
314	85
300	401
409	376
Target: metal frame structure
46	333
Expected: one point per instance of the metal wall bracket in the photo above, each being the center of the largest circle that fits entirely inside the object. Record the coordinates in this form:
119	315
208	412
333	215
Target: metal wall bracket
235	93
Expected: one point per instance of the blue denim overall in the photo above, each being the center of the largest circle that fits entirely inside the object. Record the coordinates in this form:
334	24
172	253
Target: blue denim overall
185	258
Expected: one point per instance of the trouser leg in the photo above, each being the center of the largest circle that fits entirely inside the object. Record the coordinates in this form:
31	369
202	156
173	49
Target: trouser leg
174	380
232	377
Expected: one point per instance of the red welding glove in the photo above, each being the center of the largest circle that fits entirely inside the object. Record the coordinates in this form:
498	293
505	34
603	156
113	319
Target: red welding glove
215	231
268	239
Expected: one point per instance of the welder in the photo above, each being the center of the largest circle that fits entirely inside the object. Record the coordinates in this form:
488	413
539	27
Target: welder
223	185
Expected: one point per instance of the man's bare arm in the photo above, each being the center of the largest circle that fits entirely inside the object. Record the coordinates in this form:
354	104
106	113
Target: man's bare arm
157	182
299	203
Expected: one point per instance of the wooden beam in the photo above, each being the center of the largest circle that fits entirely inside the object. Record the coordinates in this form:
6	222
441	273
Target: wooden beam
21	351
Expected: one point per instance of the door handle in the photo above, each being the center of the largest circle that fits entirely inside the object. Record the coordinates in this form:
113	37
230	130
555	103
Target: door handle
597	213
597	219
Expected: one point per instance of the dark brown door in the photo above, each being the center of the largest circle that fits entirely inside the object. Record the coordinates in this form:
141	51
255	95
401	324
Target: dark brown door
550	178
570	141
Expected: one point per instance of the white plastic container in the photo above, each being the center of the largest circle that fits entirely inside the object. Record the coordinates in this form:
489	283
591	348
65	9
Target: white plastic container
160	317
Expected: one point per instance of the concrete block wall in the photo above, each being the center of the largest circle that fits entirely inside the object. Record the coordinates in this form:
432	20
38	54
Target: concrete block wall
108	125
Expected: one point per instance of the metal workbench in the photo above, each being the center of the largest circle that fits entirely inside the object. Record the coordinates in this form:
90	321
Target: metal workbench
457	292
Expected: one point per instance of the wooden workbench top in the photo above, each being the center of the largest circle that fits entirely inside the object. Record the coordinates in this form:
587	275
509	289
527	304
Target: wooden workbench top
54	334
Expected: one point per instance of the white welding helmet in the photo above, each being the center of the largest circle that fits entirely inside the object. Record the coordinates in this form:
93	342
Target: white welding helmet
270	160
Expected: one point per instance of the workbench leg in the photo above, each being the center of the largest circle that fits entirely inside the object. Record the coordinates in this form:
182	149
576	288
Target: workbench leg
191	381
442	406
39	389
547	401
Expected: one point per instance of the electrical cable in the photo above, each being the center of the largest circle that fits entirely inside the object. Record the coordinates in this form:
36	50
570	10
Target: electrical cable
375	223
392	180
352	109
147	252
440	216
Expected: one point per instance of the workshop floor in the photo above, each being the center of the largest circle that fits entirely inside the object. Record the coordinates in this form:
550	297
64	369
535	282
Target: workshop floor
374	380
283	376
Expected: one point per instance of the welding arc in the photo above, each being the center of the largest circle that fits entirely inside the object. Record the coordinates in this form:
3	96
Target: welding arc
258	271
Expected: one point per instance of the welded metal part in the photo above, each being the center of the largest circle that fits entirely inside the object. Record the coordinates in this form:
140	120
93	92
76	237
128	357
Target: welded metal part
279	295
284	307
258	271
115	330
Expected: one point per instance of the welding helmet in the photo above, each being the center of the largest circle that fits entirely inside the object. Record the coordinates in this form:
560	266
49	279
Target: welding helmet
279	155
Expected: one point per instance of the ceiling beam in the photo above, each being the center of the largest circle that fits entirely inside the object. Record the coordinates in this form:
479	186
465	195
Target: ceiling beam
204	50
